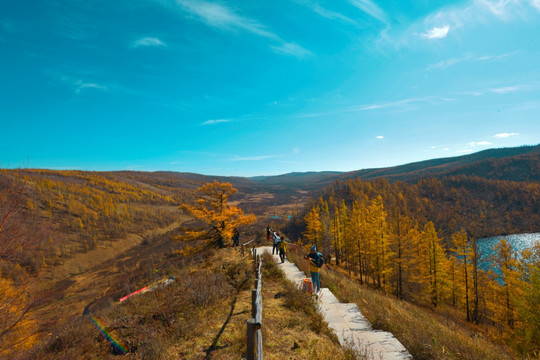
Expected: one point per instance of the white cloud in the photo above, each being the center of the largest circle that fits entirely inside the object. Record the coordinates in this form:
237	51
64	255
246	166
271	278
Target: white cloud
473	93
505	90
447	63
479	143
535	3
379	137
437	32
450	62
461	19
370	8
83	85
504	135
148	41
222	17
253	158
291	49
446	149
225	18
399	103
217	121
329	14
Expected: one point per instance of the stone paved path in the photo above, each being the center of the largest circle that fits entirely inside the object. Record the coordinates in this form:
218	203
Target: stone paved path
348	323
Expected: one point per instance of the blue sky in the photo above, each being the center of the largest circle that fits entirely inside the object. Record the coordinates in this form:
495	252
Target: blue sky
264	87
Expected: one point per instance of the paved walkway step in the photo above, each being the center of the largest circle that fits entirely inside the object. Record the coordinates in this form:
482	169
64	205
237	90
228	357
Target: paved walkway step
347	322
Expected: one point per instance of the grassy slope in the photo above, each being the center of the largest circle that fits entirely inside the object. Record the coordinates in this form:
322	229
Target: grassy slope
184	320
427	334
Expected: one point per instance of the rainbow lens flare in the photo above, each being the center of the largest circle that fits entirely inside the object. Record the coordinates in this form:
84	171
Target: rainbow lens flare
114	344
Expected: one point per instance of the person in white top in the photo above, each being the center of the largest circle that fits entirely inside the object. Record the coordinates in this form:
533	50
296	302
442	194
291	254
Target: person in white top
276	243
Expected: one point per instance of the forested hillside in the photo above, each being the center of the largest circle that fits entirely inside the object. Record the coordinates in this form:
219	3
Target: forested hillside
514	164
417	241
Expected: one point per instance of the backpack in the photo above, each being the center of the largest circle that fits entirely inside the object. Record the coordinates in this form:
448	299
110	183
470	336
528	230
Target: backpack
319	261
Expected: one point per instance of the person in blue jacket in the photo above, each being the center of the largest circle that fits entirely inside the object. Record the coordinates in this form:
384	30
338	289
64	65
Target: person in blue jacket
316	262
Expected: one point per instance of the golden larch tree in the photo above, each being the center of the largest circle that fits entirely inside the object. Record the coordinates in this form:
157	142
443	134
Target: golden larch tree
219	218
313	226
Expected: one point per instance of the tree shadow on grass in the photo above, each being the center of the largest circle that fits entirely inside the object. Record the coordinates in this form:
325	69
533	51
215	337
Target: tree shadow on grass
216	339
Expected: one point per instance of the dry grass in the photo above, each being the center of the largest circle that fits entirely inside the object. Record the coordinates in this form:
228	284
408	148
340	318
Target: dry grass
292	328
202	316
426	333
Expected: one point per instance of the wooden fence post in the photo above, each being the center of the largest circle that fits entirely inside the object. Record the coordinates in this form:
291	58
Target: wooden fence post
253	303
251	332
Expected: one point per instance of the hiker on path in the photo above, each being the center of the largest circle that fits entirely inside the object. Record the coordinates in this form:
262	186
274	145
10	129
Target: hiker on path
276	242
268	232
316	261
282	249
236	237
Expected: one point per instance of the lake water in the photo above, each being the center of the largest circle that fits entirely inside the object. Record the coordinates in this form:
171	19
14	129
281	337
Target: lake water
519	242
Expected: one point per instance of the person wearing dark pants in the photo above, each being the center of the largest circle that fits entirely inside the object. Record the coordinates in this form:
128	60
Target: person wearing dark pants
315	263
276	243
282	249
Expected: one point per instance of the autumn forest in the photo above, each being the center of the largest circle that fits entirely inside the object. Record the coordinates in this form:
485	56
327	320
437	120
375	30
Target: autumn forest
77	240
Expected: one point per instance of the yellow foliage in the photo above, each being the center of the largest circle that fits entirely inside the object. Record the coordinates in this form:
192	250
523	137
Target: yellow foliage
219	218
17	330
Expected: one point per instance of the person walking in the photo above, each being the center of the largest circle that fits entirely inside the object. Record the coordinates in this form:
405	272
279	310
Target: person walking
276	242
282	249
268	233
316	262
236	237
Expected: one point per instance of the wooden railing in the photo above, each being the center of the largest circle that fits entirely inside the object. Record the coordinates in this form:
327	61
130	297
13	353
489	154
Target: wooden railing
247	243
254	325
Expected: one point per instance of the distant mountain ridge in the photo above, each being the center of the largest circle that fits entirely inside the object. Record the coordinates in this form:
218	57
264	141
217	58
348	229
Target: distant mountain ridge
514	164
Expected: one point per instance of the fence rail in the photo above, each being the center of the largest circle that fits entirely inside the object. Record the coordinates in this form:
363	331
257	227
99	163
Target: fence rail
247	243
254	325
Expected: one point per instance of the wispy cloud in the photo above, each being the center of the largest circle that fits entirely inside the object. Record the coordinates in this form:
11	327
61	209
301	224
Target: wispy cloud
328	14
505	90
479	143
450	62
224	18
370	8
504	135
473	93
291	49
460	19
380	137
216	121
253	158
399	103
447	63
148	41
437	32
81	85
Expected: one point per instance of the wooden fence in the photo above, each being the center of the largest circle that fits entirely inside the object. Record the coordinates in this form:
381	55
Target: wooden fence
254	325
